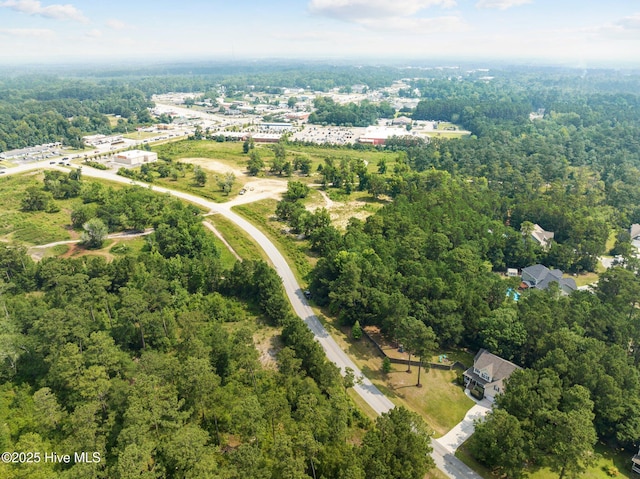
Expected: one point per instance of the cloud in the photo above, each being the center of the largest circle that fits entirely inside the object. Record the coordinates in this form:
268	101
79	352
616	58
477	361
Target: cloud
631	22
115	24
355	10
95	33
413	25
56	11
27	32
501	4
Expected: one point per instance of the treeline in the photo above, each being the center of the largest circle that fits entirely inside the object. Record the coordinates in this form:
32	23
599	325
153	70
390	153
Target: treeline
328	112
38	110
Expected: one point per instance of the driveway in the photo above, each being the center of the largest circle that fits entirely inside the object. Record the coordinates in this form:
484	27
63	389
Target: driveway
464	429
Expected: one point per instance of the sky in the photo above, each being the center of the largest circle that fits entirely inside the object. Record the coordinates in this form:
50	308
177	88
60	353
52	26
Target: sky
573	32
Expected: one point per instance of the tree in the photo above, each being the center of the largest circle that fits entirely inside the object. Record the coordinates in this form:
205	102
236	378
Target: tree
499	442
386	365
35	199
423	343
95	232
226	182
398	447
199	176
255	163
356	331
248	145
569	435
296	190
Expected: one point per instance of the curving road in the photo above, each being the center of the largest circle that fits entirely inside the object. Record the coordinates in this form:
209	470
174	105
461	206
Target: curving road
444	459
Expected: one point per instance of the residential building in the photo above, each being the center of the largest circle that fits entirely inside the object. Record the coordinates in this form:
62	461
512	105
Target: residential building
540	277
542	237
634	232
489	373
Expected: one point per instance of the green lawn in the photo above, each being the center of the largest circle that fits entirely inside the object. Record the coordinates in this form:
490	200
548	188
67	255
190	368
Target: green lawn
440	401
607	457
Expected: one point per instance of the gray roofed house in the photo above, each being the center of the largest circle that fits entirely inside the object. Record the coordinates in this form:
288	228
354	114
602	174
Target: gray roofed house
489	372
634	232
542	237
540	277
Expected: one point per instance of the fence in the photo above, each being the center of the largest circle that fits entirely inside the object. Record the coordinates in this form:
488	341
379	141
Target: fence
416	363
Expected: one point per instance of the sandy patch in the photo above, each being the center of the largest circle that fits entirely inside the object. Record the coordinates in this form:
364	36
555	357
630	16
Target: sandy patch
268	345
260	189
216	166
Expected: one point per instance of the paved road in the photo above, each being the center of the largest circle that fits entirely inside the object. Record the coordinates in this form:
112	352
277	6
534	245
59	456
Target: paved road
444	459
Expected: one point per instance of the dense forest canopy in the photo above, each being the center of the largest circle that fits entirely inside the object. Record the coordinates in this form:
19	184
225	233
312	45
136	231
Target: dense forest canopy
149	363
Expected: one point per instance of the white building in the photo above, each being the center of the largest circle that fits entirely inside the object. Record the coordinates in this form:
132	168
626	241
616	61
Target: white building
136	157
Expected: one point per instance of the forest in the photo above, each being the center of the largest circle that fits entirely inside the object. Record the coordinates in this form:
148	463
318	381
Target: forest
86	344
460	211
85	341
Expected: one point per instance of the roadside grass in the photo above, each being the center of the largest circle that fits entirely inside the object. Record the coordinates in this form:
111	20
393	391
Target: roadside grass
140	135
440	401
260	214
237	238
607	457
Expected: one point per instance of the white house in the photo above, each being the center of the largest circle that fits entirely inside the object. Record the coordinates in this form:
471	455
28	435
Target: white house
489	373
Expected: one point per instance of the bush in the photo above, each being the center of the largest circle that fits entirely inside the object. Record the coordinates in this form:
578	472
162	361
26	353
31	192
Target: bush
477	393
356	331
121	248
612	471
386	365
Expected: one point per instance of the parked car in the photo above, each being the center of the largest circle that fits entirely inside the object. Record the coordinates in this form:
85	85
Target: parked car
307	294
242	191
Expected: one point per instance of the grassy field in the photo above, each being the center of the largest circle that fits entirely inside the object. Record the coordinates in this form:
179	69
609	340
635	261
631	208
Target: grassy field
607	457
440	401
260	213
210	190
227	152
140	135
31	228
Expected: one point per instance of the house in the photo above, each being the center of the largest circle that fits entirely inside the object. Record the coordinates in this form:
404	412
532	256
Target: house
401	120
635	463
542	237
489	373
135	157
634	232
540	277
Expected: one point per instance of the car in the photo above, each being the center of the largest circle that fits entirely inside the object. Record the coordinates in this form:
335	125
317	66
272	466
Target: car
242	191
2	172
66	158
60	162
307	294
52	162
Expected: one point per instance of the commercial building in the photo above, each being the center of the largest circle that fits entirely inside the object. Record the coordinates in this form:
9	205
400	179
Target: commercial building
135	157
